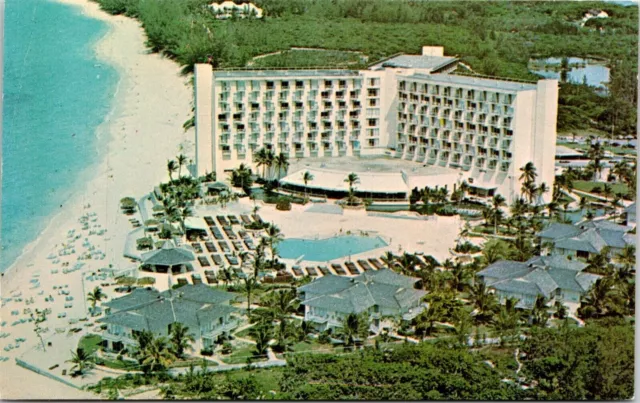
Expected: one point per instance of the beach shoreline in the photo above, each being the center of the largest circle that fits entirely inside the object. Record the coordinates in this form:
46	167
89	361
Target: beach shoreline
141	131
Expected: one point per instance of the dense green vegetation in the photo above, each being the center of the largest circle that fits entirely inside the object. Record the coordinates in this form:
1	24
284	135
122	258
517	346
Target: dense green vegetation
493	37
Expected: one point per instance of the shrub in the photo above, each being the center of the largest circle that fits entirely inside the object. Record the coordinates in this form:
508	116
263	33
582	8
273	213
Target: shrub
126	280
227	347
144	243
596	189
445	211
146	281
206	352
283	204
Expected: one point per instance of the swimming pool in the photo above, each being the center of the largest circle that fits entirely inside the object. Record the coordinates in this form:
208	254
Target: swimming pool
322	250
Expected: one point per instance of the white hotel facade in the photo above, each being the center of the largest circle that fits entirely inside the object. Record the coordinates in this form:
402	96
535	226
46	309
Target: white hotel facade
409	106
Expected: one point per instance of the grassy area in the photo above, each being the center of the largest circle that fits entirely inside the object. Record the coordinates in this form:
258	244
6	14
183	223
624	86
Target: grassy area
240	354
587	186
90	343
196	362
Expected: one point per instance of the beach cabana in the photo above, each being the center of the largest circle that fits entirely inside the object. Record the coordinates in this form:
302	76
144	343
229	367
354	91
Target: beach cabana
195	227
168	259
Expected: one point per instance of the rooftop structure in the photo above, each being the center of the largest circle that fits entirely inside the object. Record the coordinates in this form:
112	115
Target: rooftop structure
382	294
587	238
227	9
409	107
554	277
205	311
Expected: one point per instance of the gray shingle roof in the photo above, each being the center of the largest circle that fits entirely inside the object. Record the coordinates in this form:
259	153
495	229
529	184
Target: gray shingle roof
505	269
558	230
191	305
603	224
168	255
542	280
417	62
586	280
518	287
556	262
354	295
630	208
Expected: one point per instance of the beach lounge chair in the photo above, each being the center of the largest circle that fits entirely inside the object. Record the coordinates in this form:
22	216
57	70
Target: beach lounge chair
197	247
376	264
257	218
183	281
324	270
338	269
245	219
217	234
217	260
204	262
312	271
237	245
222	220
351	267
365	265
210	247
196	279
224	246
211	279
233	220
209	220
297	271
250	244
231	259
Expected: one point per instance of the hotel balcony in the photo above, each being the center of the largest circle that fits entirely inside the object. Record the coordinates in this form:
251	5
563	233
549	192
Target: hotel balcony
300	153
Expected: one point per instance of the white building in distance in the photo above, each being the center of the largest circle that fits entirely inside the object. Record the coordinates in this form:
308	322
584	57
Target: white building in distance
226	9
409	106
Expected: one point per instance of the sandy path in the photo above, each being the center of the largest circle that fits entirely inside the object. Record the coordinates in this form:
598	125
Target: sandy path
145	130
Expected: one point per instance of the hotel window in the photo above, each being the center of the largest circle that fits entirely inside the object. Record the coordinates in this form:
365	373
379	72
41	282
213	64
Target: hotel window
327	83
270	85
255	85
373	132
374	82
373	102
284	85
372	92
373	112
373	142
372	122
299	84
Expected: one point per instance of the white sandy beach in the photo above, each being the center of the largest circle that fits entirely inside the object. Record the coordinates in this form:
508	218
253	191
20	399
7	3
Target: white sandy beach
144	130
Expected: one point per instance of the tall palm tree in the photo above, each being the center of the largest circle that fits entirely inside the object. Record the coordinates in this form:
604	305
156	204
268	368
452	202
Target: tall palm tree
306	178
95	296
507	320
260	159
596	154
274	236
425	321
182	159
171	168
529	172
180	339
352	179
539	312
627	256
281	162
262	334
250	285
157	356
353	327
81	360
598	300
621	170
497	202
460	277
484	301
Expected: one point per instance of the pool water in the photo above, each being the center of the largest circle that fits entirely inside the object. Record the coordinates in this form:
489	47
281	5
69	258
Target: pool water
322	250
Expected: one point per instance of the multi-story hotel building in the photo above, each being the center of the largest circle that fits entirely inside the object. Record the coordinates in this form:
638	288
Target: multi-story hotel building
409	106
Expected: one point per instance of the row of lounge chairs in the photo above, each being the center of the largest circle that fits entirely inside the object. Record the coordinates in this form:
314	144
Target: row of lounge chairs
351	268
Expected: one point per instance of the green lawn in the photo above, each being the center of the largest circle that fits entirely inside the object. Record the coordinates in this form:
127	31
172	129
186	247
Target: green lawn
587	186
239	355
90	343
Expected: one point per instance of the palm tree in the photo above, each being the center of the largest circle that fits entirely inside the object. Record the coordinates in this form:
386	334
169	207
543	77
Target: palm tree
306	178
143	339
529	173
621	170
389	259
425	321
81	361
352	179
269	160
180	339
274	236
596	154
497	202
182	159
262	334
95	296
460	277
598	300
462	323
282	163
354	327
484	301
157	356
250	284
507	320
600	263
260	159
171	168
627	257
539	312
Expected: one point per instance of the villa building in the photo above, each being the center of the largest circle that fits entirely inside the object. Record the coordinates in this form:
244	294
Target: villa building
205	311
630	213
383	294
228	9
412	107
554	277
585	239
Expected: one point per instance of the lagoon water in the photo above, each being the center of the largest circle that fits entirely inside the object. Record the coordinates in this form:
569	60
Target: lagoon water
55	95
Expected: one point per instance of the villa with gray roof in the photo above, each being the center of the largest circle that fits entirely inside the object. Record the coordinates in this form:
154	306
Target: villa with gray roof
630	213
554	277
413	107
205	311
382	294
589	237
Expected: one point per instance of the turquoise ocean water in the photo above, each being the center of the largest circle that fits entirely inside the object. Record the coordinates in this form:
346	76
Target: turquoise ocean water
55	94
